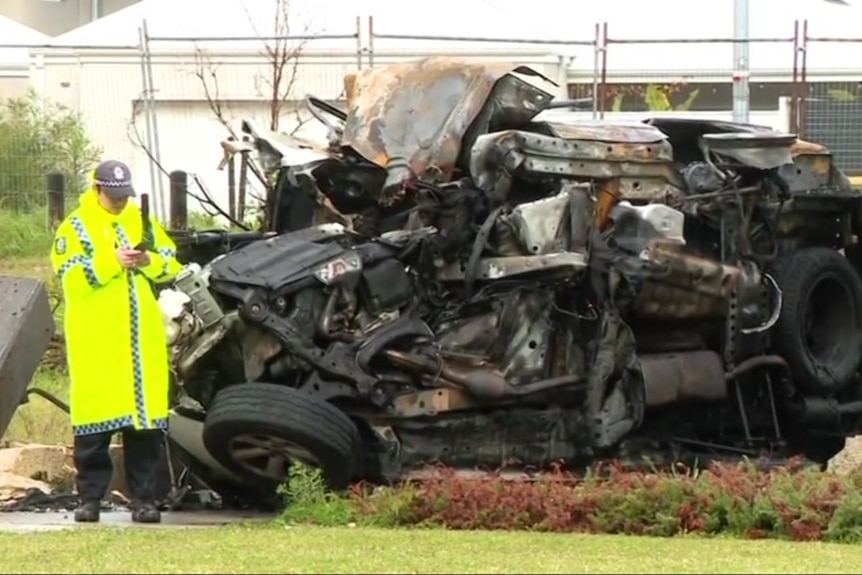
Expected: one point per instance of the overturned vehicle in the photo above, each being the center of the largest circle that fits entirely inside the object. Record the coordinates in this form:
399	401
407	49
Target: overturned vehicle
469	275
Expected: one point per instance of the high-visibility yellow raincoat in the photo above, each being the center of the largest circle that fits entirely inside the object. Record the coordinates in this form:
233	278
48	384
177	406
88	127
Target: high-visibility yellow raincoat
115	335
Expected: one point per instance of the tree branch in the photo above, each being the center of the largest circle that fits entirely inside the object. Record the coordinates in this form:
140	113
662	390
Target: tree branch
207	74
283	58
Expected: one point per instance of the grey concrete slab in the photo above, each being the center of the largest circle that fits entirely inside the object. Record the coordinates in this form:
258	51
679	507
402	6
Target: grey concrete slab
54	520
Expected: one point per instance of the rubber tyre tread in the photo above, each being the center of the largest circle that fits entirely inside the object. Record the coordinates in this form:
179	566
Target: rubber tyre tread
280	411
795	274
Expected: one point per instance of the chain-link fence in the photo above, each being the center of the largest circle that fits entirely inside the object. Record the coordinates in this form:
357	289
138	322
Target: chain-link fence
218	83
38	136
694	76
35	138
830	105
169	103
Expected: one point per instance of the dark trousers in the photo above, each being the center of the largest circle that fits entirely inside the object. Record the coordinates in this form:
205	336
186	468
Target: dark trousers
142	452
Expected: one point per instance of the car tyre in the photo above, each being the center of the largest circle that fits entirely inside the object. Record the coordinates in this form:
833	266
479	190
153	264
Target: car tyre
258	429
819	331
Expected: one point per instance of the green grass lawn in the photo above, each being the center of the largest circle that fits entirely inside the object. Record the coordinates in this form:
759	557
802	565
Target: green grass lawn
268	549
40	421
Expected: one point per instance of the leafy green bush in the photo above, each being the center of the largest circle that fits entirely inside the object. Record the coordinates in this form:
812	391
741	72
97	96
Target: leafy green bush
740	500
36	137
309	501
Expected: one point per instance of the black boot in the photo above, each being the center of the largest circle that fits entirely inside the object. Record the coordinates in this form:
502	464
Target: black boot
88	512
146	513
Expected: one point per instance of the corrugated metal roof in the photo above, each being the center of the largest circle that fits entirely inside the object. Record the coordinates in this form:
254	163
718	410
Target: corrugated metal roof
216	20
510	19
15	33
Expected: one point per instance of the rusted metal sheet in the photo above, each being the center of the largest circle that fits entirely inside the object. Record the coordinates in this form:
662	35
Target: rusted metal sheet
26	329
614	142
819	164
682	285
350	86
800	147
418	112
686	376
431	402
611	132
258	348
643	170
497	268
808	172
764	151
650	188
608	196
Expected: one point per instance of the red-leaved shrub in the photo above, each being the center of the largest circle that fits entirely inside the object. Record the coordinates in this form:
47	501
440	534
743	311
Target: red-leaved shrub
786	502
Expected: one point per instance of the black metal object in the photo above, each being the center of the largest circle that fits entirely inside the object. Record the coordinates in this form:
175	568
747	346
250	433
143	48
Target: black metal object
26	329
147	240
179	189
55	183
203	246
50	397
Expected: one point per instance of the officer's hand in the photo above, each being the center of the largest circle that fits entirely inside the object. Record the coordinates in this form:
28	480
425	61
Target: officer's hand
143	259
128	258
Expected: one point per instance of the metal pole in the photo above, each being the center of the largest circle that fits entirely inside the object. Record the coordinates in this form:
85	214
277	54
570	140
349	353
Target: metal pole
147	112
740	61
596	71
95	9
161	204
802	124
794	87
371	41
358	42
604	74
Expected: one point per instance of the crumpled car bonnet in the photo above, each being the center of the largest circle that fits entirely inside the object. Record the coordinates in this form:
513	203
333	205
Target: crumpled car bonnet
417	118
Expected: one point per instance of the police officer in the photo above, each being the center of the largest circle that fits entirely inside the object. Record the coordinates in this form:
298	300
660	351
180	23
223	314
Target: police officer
115	337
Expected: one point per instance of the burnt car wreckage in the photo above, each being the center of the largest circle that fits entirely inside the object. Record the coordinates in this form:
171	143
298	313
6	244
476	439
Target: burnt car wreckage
472	277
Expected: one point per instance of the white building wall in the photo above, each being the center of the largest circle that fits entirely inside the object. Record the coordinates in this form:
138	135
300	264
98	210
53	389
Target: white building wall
15	61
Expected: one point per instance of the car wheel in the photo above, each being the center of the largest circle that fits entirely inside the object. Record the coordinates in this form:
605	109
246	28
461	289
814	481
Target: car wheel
819	331
258	429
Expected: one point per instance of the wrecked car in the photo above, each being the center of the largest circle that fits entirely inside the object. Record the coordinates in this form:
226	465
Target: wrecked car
465	275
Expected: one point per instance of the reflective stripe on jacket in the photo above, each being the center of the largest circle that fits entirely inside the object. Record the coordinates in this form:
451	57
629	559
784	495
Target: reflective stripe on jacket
115	336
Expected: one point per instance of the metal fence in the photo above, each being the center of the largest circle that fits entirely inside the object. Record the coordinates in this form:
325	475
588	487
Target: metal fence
186	94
